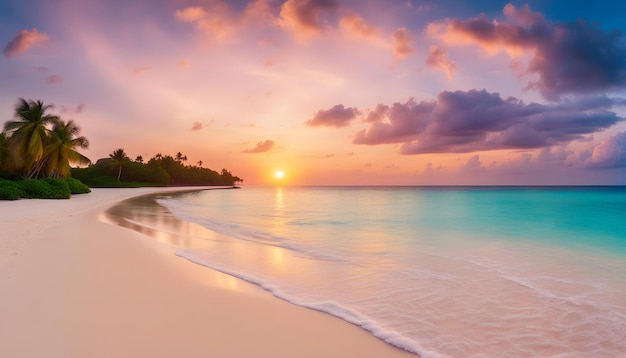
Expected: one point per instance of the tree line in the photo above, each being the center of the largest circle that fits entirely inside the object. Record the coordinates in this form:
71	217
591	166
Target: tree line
160	170
36	145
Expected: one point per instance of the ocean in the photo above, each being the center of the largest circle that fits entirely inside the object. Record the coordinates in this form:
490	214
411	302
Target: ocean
439	271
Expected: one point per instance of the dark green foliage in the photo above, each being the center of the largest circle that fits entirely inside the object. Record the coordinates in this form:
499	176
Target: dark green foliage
102	181
44	189
60	188
9	190
158	171
77	187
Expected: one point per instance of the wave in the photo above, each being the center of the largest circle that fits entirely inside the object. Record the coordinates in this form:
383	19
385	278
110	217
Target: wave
329	307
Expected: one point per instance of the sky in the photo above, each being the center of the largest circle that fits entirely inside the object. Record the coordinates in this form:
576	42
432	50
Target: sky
335	92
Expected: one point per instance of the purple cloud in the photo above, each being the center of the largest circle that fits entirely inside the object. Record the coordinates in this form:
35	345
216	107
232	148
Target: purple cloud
610	153
337	116
304	17
568	58
261	147
197	126
463	122
404	121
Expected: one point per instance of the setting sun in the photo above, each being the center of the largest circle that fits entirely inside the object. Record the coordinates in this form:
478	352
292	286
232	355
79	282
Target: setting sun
279	174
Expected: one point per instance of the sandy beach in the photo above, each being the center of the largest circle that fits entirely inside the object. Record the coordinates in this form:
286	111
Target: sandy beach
73	285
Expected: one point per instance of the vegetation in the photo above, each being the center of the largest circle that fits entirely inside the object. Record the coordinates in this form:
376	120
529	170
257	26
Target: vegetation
48	188
161	170
37	150
36	144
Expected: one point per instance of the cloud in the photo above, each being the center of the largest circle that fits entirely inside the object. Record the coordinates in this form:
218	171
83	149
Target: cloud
468	121
472	164
610	153
136	71
566	58
190	14
396	124
197	126
337	116
355	25
54	79
214	22
328	156
261	147
402	43
24	41
438	59
304	18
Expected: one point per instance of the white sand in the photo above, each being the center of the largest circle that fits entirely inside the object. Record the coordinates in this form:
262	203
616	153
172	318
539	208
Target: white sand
74	286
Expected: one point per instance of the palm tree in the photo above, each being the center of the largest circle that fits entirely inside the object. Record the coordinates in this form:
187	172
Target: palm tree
28	135
199	163
6	162
139	159
61	150
118	157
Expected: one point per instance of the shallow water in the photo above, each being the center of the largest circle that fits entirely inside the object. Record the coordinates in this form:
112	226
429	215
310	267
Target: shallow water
443	272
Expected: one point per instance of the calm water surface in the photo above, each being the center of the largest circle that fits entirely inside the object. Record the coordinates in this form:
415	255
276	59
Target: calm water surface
443	272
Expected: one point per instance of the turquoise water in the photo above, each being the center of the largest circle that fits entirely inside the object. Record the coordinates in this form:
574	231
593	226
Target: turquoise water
443	272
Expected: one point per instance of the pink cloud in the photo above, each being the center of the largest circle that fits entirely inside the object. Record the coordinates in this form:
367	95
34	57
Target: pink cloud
54	79
438	59
197	126
190	14
261	147
260	11
23	41
566	58
336	116
304	18
356	26
139	70
214	22
402	43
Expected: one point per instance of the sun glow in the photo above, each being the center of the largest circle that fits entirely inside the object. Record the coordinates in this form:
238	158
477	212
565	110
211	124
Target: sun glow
279	174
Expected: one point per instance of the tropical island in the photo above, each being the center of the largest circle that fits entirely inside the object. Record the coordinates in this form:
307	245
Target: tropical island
38	149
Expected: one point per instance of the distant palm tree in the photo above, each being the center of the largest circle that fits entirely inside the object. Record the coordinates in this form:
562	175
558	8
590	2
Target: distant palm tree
118	157
179	157
28	135
61	149
199	163
139	159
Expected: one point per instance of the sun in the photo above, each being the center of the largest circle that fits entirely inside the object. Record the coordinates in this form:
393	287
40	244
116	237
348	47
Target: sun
279	174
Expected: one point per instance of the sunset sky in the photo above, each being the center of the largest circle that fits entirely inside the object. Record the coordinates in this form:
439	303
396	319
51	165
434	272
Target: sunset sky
334	91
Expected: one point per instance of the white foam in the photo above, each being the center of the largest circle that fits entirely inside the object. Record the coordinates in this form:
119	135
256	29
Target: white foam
329	307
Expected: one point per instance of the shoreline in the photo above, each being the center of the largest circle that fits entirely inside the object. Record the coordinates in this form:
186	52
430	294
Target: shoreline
73	285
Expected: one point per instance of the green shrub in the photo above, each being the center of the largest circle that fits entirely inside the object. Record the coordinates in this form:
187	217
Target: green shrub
60	188
9	190
77	187
33	188
103	181
45	188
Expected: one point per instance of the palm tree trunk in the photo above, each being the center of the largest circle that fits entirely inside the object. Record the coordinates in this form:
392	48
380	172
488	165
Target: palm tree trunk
119	172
